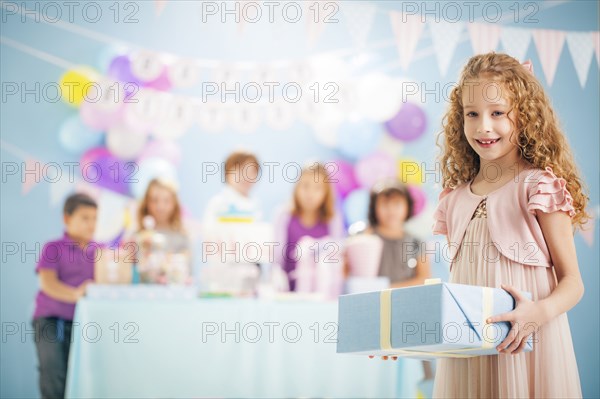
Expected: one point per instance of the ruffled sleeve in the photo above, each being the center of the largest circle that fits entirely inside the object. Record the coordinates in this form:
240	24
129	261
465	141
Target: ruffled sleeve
439	215
549	194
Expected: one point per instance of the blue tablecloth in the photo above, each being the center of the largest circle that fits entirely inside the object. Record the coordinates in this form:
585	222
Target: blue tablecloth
222	348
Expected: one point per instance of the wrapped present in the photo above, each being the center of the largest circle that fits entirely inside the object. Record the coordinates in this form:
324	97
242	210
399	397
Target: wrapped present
364	255
319	269
428	321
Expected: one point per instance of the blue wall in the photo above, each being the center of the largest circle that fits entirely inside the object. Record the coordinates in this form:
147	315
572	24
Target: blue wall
32	126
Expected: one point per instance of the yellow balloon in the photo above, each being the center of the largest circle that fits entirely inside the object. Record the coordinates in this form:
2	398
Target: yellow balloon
409	172
75	84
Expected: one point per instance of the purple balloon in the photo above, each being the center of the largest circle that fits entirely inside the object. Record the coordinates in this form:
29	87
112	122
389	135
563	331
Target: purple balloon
344	178
120	69
408	124
100	167
419	199
375	167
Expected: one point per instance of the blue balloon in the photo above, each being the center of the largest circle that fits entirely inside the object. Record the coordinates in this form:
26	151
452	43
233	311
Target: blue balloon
356	206
150	168
358	139
75	137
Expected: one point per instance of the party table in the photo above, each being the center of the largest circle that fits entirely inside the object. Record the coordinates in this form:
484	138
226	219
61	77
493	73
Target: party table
221	347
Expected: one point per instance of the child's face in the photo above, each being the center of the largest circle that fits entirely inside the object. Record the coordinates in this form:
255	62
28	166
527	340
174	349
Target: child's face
311	192
81	224
243	180
391	210
487	125
161	204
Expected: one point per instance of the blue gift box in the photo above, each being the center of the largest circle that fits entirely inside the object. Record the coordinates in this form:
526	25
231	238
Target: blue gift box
428	321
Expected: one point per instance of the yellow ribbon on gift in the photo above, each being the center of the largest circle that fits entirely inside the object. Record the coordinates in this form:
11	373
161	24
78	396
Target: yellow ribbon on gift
385	326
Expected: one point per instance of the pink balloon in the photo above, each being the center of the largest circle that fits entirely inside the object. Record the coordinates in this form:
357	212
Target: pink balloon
97	118
165	149
162	82
375	167
419	199
344	178
100	167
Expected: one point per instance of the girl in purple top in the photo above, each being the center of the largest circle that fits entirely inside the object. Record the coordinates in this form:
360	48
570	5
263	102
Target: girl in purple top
312	214
65	268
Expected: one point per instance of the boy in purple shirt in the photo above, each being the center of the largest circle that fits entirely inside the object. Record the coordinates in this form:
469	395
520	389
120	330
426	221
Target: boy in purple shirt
65	268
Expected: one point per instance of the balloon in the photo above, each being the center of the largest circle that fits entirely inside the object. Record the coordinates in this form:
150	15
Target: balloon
150	168
326	134
161	83
120	69
98	118
343	178
358	139
100	167
377	99
166	149
390	145
419	199
76	137
125	143
356	206
108	53
408	124
409	172
375	167
75	83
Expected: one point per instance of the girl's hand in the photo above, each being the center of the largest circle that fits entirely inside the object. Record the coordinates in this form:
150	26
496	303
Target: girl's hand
385	357
526	318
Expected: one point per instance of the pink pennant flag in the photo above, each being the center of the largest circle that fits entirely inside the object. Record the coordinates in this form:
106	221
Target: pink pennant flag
484	37
549	44
159	6
407	31
596	40
32	175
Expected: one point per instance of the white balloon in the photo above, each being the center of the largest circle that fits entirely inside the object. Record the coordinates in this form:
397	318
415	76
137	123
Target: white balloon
146	65
183	73
321	113
212	117
326	134
379	99
125	143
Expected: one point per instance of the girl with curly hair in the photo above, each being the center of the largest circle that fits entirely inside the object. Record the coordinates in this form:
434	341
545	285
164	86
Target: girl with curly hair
512	200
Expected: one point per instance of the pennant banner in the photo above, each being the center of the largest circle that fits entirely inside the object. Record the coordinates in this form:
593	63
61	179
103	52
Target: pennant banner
549	44
581	47
407	31
484	37
515	41
445	37
359	20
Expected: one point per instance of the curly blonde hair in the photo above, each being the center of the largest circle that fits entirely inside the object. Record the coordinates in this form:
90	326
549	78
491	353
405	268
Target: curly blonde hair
540	139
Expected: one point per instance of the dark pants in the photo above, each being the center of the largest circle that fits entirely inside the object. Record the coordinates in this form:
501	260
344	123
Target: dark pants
52	341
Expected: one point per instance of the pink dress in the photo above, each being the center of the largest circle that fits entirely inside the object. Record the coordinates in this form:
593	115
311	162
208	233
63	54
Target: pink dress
550	370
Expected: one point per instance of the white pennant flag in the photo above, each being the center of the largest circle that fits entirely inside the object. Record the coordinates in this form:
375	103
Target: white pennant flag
549	44
407	31
359	20
515	42
484	37
581	47
445	37
596	40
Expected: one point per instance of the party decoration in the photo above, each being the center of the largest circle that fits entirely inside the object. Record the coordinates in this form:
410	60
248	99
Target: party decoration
110	221
125	143
174	119
409	172
358	139
279	116
183	73
75	83
356	206
408	124
150	168
120	69
100	167
377	101
166	149
374	167
75	137
161	82
343	178
419	199
326	134
146	65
